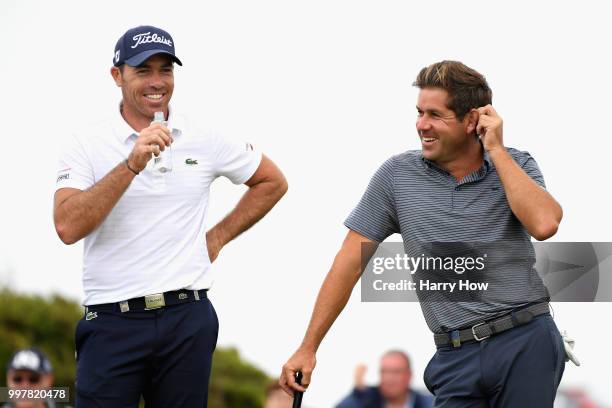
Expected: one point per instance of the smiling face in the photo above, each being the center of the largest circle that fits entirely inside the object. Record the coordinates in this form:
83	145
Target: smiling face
28	380
444	138
146	89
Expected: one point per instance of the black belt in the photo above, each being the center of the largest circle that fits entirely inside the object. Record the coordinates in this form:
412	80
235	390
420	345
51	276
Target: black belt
151	302
484	330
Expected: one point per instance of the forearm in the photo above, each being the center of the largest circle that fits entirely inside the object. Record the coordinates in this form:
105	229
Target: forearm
336	289
253	206
81	213
333	297
535	208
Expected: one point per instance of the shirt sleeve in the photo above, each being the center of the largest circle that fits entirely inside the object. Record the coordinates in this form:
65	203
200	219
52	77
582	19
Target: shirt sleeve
530	167
236	161
375	217
74	167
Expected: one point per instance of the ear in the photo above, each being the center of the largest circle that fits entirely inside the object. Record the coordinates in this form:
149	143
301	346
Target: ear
409	378
116	74
471	121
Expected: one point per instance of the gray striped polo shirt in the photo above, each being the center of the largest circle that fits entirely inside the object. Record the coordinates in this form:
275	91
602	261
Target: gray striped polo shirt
412	196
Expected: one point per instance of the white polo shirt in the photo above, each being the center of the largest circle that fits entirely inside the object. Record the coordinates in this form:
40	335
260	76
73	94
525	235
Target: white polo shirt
154	239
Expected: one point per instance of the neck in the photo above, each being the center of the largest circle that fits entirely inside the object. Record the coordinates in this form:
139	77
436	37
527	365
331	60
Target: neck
137	120
466	160
37	404
399	401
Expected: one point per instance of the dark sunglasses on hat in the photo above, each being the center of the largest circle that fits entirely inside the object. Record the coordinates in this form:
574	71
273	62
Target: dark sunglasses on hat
32	378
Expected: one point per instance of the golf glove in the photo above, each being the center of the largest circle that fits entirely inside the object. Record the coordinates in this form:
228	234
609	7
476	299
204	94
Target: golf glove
568	343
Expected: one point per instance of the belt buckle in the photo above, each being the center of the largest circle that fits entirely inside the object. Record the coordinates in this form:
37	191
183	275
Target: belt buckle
154	301
474	332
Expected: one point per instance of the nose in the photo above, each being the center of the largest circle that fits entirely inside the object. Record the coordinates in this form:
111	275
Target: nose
156	81
423	123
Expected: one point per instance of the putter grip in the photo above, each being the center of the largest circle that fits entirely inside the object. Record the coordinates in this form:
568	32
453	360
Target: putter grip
297	395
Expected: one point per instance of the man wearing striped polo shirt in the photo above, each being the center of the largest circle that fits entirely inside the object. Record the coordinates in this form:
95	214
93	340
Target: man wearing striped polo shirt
462	186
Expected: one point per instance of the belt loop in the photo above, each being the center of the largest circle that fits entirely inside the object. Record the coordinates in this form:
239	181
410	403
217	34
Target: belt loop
124	306
515	321
456	338
196	294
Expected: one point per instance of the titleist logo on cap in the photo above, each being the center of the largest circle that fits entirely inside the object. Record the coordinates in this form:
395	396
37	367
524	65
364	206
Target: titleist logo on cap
145	38
142	42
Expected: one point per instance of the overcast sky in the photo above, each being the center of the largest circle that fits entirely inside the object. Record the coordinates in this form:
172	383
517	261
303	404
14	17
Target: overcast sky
324	89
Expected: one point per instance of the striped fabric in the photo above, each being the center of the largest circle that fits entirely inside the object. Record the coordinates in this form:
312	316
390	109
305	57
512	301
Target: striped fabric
411	196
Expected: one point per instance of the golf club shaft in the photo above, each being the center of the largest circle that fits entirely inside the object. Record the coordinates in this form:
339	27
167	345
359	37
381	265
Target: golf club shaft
297	395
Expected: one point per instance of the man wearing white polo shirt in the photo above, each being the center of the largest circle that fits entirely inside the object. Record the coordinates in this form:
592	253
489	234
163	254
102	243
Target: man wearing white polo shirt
149	328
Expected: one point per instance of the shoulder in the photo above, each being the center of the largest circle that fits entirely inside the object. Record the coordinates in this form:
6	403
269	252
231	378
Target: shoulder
361	397
90	133
406	161
519	156
372	391
97	126
401	163
409	157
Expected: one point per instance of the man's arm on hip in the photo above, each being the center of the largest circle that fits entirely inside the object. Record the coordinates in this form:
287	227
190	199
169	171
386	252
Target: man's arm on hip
266	187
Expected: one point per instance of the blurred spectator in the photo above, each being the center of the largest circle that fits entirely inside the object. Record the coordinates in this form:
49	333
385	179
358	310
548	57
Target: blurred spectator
394	389
276	397
29	369
573	398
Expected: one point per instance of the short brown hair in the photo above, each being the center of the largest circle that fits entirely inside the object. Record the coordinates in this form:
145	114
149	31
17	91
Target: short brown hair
398	352
467	88
272	387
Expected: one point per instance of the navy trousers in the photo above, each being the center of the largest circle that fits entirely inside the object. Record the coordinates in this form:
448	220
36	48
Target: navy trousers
519	368
164	355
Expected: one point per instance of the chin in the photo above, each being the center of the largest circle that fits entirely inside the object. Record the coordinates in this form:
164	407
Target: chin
429	156
150	110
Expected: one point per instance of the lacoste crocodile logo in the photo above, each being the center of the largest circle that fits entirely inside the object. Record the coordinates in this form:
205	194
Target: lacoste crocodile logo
191	162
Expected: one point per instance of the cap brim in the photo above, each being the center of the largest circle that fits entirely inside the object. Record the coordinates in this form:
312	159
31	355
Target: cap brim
32	370
138	59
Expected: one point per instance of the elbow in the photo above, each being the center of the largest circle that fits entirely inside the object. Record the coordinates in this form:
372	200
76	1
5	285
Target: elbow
279	187
546	230
548	227
65	233
283	186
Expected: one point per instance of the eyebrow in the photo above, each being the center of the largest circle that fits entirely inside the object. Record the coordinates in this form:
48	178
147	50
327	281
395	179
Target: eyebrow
428	110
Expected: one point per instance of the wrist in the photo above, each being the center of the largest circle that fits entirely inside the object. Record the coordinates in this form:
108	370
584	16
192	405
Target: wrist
130	168
214	235
308	347
497	152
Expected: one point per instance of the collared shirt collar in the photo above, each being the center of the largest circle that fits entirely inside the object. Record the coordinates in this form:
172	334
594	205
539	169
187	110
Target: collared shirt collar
487	160
123	131
410	402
